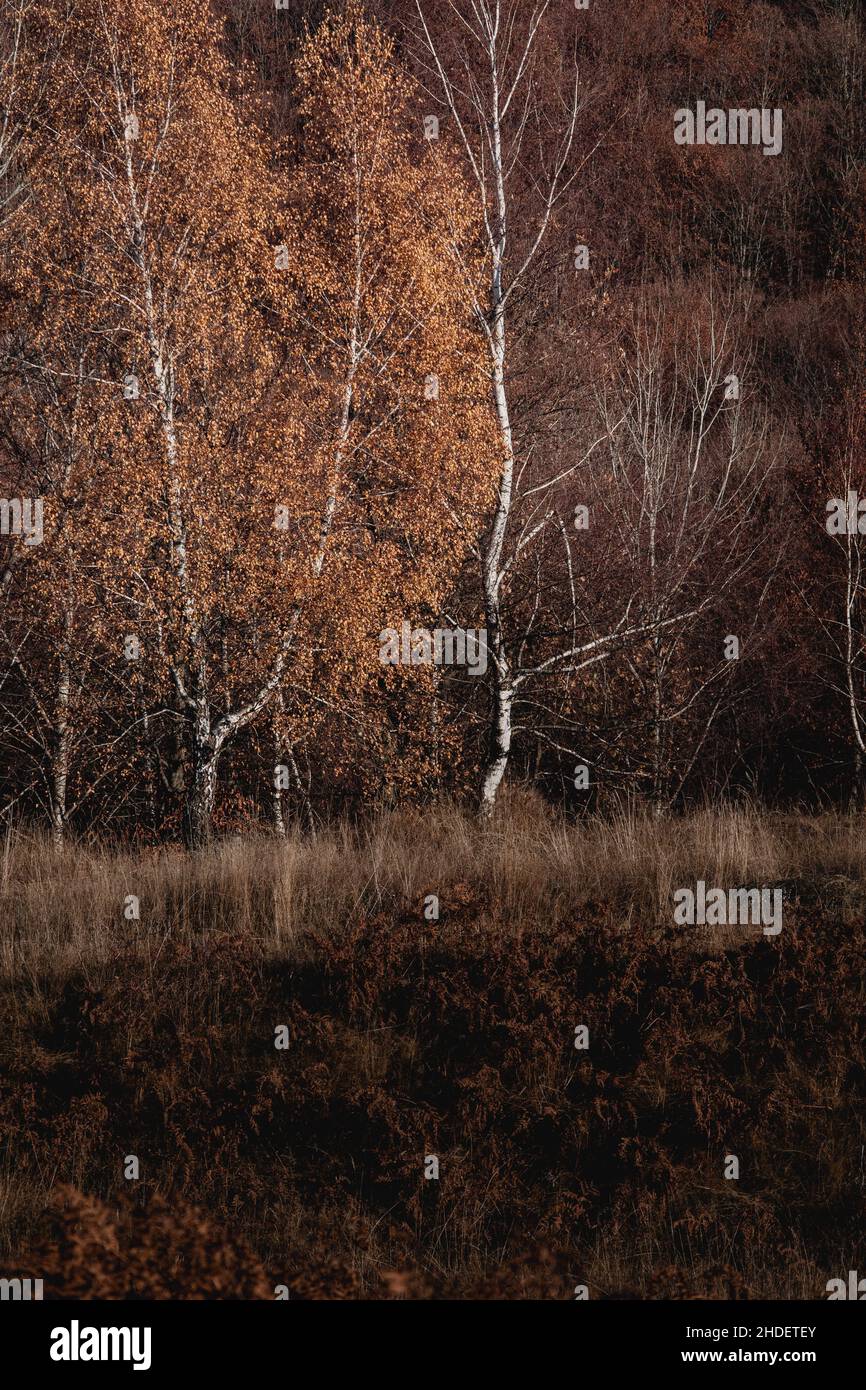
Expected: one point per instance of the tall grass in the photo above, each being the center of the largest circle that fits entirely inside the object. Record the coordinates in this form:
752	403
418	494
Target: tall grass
64	911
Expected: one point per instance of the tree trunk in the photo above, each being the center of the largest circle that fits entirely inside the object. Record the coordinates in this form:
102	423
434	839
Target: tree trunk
60	769
503	691
198	827
205	747
500	743
60	760
658	801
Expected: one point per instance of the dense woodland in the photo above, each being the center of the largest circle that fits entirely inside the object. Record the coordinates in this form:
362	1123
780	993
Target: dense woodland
287	364
432	484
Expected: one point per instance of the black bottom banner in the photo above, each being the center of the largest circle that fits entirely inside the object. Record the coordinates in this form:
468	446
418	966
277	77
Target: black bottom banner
170	1339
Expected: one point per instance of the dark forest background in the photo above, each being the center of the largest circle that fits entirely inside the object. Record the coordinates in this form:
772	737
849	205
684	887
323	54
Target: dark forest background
702	261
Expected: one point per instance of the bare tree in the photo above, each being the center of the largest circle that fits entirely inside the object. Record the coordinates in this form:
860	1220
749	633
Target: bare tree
489	89
842	616
520	148
692	456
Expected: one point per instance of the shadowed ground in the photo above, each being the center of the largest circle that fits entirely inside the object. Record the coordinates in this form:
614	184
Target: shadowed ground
454	1038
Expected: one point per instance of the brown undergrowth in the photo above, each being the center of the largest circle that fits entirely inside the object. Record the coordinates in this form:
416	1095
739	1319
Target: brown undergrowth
409	1038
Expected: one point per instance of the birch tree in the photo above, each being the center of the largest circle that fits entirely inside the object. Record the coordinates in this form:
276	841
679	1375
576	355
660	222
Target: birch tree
259	339
520	145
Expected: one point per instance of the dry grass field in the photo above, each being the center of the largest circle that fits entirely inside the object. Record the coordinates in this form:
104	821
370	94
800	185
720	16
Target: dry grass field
410	1037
